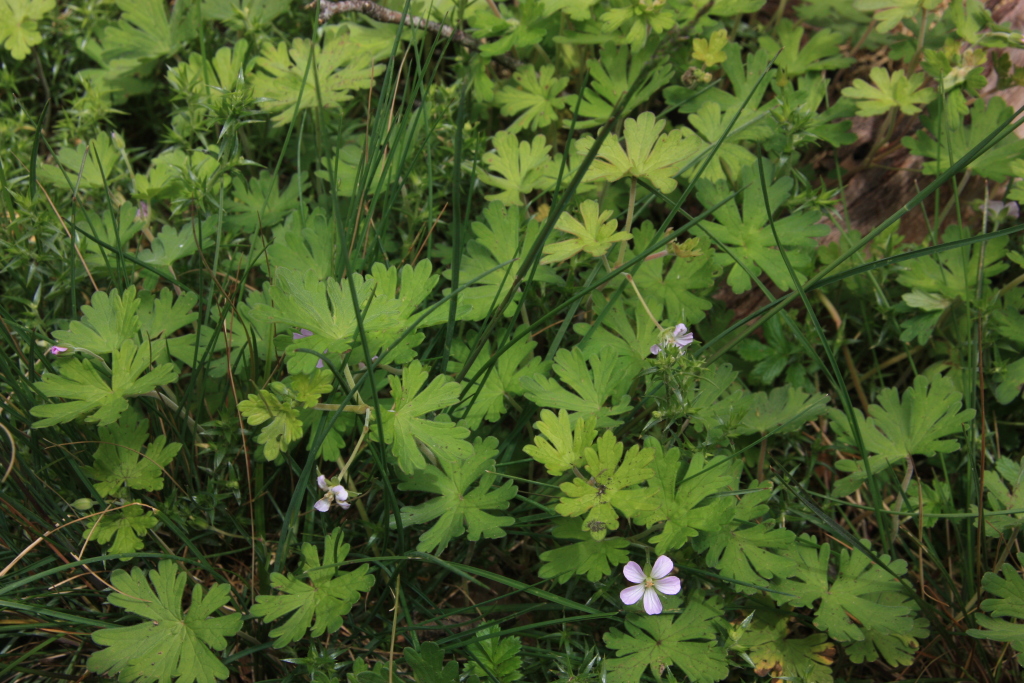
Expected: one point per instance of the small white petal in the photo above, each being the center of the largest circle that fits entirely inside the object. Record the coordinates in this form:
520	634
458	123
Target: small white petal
670	585
339	492
652	603
633	572
632	594
343	505
321	481
322	505
662	567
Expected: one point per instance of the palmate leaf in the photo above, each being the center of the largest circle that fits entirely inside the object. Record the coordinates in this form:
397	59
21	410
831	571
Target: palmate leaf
749	236
916	424
649	154
897	649
862	595
170	644
749	551
889	13
19	24
1004	492
596	559
594	383
494	657
687	505
106	324
689	642
796	57
101	164
343	65
489	402
123	530
561	445
775	654
457	509
675	287
120	461
89	395
612	487
285	425
1009	589
710	124
516	168
783	410
405	425
318	598
610	79
595	235
889	90
492	259
537	99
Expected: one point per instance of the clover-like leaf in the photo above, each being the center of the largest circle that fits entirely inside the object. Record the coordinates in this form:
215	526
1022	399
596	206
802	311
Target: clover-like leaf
457	509
170	644
318	598
595	235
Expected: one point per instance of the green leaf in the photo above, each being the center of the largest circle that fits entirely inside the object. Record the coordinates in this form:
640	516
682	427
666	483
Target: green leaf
611	487
888	91
710	124
648	154
689	642
19	24
502	382
709	51
784	410
862	595
954	274
898	649
1009	602
318	598
593	386
596	559
106	325
750	237
285	425
101	164
675	287
405	426
492	260
517	168
1004	492
122	529
929	411
457	509
426	663
170	644
595	235
610	79
796	57
244	15
342	65
537	99
495	658
942	141
749	551
90	395
119	462
172	245
261	203
775	654
889	13
304	244
560	446
687	505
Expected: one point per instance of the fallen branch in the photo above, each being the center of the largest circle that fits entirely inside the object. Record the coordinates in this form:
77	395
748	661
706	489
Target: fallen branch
390	16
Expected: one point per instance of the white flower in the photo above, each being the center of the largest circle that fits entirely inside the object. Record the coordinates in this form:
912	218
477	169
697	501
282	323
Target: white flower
678	337
333	494
648	586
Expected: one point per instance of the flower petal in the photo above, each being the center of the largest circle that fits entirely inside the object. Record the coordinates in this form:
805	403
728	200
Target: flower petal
655	350
321	481
301	334
343	505
322	505
652	603
670	585
662	567
319	364
632	594
634	573
679	331
339	492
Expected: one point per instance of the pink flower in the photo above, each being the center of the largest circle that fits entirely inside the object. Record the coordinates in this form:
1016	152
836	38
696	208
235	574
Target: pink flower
679	337
333	494
649	585
302	334
56	350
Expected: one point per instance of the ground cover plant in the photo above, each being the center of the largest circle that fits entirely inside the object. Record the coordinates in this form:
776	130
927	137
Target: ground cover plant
546	340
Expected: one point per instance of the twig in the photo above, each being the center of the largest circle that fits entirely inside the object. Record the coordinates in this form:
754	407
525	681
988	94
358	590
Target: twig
390	16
